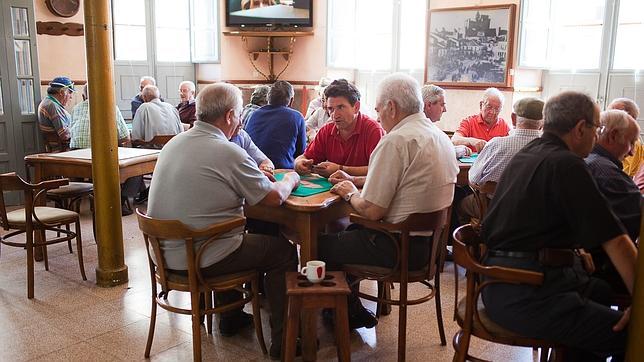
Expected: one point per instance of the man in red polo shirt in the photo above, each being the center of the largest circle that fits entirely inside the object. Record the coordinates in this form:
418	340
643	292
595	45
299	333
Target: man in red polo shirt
345	143
474	131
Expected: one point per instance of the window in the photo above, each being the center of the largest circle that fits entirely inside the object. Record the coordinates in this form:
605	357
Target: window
629	54
412	34
129	30
172	19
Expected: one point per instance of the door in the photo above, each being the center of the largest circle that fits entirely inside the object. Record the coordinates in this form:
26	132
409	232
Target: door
19	87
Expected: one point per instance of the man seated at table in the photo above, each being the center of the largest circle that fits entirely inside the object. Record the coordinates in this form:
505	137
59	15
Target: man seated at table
258	99
345	143
527	118
80	126
434	106
242	139
618	134
137	100
547	204
475	130
186	107
631	162
278	130
190	167
52	115
155	117
413	149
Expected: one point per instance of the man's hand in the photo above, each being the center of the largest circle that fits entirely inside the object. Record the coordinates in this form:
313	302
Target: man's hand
587	261
462	151
623	322
269	174
476	143
343	188
326	168
293	178
303	166
339	176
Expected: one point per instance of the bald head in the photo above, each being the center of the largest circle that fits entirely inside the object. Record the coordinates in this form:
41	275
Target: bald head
149	93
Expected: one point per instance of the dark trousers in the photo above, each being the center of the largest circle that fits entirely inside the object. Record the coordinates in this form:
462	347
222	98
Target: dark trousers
570	308
271	256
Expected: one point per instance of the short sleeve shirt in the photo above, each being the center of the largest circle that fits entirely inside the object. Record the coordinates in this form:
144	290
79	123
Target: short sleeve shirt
328	145
244	141
474	126
202	178
80	128
546	198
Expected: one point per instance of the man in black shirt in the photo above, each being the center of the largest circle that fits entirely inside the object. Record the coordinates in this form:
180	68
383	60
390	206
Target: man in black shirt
547	204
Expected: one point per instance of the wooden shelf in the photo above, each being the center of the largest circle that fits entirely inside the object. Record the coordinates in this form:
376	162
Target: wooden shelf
275	34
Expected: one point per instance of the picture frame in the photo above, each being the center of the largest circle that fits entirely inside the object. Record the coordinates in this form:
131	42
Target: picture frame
470	47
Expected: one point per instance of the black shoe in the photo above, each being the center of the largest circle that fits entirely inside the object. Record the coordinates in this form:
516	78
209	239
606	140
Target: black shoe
142	197
275	352
362	317
229	326
126	209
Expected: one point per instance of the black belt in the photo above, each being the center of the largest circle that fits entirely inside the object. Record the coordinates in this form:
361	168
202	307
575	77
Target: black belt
547	256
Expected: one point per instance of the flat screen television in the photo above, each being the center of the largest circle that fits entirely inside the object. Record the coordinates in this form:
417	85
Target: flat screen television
269	13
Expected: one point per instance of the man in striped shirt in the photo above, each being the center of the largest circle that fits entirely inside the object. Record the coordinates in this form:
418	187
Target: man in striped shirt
52	116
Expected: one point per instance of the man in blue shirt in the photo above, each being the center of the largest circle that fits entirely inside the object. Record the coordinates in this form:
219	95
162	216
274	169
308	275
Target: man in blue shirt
279	131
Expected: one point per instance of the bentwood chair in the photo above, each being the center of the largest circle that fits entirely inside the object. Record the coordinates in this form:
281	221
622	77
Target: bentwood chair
37	219
482	196
399	234
154	232
157	142
470	313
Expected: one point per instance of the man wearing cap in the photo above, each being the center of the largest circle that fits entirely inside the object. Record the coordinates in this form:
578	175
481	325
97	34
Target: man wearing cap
52	116
527	119
186	107
258	99
155	117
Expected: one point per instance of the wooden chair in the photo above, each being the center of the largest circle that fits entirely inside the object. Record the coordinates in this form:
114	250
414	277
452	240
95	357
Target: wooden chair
470	312
31	219
52	141
434	222
195	283
157	142
482	196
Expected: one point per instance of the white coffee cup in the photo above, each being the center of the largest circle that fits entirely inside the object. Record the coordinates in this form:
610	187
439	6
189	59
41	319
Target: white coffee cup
314	271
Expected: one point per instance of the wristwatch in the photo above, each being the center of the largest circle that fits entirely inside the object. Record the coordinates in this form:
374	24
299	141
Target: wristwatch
348	196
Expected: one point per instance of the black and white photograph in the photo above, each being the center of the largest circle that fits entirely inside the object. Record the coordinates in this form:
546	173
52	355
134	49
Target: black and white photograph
470	46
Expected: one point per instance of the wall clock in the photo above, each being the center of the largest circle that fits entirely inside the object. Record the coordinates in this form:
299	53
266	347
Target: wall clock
63	8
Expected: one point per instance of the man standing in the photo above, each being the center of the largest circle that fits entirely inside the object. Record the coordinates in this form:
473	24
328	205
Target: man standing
155	117
547	204
80	125
210	164
52	115
474	131
137	100
276	129
413	149
186	107
345	143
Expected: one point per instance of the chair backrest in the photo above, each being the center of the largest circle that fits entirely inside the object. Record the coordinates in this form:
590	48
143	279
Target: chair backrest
157	142
52	142
156	230
482	196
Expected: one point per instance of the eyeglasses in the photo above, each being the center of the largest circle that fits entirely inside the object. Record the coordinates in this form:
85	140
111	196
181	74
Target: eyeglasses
488	107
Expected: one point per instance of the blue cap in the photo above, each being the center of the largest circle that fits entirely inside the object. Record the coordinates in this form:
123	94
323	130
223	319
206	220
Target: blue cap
62	82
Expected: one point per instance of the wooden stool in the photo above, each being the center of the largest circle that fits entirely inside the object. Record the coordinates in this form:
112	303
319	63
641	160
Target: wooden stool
302	295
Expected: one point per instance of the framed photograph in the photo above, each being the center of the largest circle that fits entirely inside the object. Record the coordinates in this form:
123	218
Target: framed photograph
470	47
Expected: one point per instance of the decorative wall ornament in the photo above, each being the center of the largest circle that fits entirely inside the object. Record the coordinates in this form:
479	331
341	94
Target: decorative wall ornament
58	28
63	8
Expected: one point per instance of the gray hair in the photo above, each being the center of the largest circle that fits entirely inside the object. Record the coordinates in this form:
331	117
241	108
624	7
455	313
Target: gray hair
403	90
563	111
150	92
625	104
431	93
493	93
190	85
215	100
523	122
615	119
259	96
149	79
280	93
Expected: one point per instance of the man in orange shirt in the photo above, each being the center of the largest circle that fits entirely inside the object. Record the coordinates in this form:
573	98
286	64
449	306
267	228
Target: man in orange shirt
475	130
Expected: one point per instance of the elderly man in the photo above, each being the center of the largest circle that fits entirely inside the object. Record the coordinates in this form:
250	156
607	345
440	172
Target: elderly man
80	126
474	131
52	115
632	162
242	139
413	149
186	107
547	204
434	106
346	143
276	129
155	117
258	99
137	100
199	157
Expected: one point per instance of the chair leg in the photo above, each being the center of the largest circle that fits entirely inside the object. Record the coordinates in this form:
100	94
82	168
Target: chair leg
69	242
153	320
30	265
439	309
342	329
208	300
79	247
402	322
44	249
461	344
257	316
196	327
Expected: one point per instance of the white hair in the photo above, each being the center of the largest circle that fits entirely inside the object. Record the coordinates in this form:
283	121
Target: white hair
625	104
431	93
403	90
215	100
190	85
493	93
149	79
614	119
150	92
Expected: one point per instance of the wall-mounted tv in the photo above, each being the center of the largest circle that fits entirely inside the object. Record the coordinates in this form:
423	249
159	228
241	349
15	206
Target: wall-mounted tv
269	13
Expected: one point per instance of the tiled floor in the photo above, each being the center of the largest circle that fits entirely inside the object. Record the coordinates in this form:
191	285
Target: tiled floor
72	320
